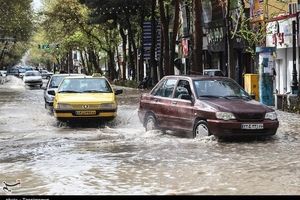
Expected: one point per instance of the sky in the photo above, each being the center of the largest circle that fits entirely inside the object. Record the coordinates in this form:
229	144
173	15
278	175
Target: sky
37	4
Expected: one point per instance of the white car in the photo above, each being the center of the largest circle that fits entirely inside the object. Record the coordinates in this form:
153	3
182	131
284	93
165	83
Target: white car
46	74
33	78
2	76
52	87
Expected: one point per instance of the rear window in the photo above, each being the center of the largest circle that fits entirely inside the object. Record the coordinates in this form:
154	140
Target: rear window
32	73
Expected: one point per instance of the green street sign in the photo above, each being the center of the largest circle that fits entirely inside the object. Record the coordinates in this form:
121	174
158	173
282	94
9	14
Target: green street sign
48	46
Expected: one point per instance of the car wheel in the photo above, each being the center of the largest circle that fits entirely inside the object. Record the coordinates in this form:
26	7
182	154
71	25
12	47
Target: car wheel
201	129
150	123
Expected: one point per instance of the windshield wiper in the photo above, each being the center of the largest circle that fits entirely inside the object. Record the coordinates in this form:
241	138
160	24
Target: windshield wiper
93	91
69	91
210	96
237	97
232	96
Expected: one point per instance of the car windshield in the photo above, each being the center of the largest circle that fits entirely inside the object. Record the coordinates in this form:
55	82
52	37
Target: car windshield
33	73
85	85
219	89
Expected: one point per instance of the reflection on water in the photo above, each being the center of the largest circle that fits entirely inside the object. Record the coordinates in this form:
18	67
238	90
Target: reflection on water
121	158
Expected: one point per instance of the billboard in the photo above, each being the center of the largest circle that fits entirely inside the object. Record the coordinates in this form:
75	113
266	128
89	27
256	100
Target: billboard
279	33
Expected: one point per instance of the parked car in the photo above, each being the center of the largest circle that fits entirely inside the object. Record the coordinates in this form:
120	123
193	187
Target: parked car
33	78
203	106
3	73
46	74
52	86
23	70
85	97
13	71
2	76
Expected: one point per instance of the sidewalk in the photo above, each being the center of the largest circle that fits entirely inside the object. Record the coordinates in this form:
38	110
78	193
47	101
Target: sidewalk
130	96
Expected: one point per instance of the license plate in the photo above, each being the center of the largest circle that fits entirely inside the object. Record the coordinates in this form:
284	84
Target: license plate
252	126
90	112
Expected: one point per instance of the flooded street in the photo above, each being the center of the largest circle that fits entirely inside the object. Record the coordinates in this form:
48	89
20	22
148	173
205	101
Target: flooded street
121	158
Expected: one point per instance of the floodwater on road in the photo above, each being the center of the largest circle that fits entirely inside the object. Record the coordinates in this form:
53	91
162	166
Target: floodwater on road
121	158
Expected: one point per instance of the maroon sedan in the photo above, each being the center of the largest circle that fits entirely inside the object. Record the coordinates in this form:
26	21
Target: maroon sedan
205	106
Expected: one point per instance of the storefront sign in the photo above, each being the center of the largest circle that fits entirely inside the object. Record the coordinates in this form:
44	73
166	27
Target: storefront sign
279	33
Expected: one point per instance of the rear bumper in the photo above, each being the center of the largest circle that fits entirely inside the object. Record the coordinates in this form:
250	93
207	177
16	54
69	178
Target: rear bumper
34	83
233	128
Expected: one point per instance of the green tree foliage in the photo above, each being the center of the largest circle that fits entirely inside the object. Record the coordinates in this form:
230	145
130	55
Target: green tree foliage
16	19
16	25
125	16
65	22
254	34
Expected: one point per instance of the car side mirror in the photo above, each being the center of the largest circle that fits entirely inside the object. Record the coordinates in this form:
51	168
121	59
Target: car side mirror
51	92
119	91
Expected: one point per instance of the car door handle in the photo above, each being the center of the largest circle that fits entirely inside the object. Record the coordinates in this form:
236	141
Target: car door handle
156	100
174	102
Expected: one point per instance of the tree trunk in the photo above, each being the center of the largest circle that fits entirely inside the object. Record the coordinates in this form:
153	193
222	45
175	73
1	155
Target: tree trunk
83	62
131	66
153	63
133	54
175	31
124	61
89	70
141	60
197	42
165	33
70	61
94	61
161	59
111	65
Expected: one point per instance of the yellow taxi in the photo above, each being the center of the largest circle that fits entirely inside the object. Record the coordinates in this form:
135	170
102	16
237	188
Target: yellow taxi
84	97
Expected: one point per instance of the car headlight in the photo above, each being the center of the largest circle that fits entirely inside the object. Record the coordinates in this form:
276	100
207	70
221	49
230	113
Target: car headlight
271	115
225	115
64	106
108	106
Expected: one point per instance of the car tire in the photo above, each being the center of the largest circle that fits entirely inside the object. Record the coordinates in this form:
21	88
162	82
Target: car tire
150	123
201	129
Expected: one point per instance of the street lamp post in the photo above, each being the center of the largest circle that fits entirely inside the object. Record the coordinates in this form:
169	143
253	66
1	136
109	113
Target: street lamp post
298	42
294	85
